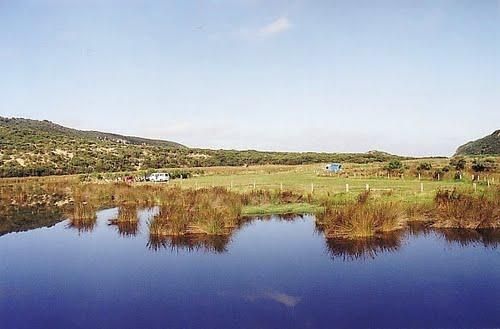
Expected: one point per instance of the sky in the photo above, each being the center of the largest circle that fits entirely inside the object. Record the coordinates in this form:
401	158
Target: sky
408	77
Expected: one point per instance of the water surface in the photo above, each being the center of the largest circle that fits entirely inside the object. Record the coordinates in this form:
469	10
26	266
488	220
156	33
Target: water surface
271	273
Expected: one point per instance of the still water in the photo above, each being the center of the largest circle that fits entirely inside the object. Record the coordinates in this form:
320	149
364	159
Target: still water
271	273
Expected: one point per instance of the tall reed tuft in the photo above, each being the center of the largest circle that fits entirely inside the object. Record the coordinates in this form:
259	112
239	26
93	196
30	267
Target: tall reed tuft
83	217
127	220
360	219
206	211
466	209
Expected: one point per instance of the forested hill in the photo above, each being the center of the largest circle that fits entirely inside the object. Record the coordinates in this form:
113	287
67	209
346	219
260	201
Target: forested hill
38	148
488	145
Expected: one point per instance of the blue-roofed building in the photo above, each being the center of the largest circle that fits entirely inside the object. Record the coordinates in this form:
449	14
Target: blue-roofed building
334	167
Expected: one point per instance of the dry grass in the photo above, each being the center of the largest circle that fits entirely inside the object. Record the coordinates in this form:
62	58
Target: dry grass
419	211
206	211
127	220
465	209
361	219
83	218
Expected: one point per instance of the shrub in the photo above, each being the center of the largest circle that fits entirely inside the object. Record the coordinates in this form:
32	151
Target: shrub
424	166
458	163
394	166
483	165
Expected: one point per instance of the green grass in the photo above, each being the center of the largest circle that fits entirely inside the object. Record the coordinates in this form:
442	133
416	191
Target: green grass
307	179
275	209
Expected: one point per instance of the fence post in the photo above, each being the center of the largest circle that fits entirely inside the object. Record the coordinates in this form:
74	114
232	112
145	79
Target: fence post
475	186
281	187
312	187
438	176
367	187
347	188
418	176
254	185
421	187
231	185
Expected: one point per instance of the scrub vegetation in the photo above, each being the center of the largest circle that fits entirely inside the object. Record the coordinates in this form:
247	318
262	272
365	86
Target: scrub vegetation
41	148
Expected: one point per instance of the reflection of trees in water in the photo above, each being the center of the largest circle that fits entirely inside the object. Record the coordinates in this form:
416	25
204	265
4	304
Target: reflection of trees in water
83	218
366	248
190	242
282	217
18	219
267	218
127	228
464	237
419	228
208	242
127	221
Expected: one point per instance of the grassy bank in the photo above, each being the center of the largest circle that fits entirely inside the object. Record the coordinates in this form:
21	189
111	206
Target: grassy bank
277	209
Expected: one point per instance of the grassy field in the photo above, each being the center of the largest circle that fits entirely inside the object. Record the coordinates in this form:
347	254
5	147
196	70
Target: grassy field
312	179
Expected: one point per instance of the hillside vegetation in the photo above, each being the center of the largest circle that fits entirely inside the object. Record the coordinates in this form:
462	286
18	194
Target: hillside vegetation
489	145
39	148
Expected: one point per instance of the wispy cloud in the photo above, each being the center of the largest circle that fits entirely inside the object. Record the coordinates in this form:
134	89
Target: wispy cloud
278	26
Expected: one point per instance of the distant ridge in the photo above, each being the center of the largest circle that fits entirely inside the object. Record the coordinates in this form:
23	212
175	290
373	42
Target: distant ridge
53	128
39	148
488	145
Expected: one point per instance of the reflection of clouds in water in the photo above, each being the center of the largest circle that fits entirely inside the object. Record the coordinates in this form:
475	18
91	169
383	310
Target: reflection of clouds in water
279	297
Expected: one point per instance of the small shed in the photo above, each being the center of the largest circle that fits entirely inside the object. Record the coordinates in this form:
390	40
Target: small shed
334	167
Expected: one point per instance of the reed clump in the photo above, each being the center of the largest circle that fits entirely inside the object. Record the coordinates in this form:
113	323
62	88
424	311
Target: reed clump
361	219
419	211
83	217
127	213
212	211
466	209
127	220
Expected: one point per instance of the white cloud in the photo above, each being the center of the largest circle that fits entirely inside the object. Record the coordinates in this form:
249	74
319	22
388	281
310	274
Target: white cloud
278	26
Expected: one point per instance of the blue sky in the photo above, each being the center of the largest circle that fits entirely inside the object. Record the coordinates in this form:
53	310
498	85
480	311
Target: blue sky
408	77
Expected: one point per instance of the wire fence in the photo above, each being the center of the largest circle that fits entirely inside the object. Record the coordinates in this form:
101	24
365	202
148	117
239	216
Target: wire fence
414	186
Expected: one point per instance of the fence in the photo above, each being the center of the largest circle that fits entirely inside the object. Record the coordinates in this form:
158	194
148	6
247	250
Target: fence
352	186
